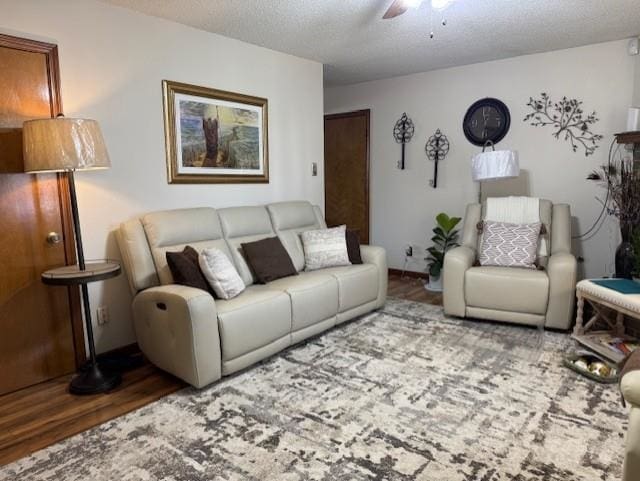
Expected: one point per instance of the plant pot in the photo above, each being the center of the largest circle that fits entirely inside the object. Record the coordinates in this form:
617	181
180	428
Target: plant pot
624	255
434	284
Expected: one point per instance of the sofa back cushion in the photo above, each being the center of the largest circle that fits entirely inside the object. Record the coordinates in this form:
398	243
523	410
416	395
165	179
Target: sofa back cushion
289	220
172	230
144	241
241	225
136	256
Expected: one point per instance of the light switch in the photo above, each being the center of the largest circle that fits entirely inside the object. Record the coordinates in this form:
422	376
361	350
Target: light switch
314	169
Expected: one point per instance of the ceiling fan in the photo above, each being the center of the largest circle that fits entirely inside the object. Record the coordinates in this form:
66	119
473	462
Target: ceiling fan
398	7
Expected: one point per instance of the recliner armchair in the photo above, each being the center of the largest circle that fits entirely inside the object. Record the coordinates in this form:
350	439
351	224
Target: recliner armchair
630	386
525	296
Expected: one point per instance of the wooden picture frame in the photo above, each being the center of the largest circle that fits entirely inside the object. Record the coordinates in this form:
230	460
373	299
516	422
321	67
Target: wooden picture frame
214	136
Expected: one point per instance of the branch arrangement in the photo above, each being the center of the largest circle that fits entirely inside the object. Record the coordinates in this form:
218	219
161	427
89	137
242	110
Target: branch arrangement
622	181
566	117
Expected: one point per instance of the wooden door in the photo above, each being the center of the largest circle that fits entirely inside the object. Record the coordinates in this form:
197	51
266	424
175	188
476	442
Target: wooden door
346	171
41	334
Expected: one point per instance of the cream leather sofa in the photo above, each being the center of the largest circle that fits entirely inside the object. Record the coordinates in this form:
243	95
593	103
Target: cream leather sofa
198	339
630	386
526	296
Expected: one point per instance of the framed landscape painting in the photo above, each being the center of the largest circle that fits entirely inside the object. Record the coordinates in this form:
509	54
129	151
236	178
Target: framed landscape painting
213	136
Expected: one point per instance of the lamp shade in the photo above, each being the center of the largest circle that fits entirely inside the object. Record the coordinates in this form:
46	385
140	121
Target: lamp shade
63	144
494	165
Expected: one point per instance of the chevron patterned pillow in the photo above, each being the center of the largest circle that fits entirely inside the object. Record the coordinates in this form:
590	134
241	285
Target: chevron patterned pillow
509	245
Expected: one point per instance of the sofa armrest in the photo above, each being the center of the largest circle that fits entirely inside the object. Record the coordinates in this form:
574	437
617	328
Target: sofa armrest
377	256
562	271
177	329
456	263
630	387
631	466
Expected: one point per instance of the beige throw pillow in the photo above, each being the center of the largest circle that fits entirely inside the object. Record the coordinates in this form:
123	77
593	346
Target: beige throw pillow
509	245
220	273
325	248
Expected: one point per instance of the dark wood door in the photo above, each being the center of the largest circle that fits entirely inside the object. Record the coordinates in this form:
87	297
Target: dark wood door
346	171
40	326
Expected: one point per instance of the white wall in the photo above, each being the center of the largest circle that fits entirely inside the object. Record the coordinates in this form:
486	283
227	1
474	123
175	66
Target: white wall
636	88
403	205
112	62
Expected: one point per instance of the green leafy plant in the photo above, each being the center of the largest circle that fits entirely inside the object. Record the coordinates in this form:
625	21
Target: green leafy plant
445	237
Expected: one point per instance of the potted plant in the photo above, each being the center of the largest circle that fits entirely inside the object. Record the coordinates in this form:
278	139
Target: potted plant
622	181
445	237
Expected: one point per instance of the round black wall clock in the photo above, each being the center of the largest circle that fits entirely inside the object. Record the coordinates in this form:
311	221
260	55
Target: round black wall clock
486	120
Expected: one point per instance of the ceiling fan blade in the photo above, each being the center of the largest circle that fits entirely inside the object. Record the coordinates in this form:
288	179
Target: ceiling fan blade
398	7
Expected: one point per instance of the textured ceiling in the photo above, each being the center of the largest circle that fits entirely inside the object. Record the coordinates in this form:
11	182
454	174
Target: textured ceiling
355	44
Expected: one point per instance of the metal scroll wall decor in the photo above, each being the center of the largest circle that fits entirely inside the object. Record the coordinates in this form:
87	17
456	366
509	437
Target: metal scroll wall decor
436	148
568	119
402	133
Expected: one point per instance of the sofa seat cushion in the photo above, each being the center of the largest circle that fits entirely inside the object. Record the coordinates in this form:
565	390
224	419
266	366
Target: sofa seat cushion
253	319
314	297
357	284
507	289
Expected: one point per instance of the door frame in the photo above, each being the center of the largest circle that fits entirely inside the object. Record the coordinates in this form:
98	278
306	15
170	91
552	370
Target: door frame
50	51
344	115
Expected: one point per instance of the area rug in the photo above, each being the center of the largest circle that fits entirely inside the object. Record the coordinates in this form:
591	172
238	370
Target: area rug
401	394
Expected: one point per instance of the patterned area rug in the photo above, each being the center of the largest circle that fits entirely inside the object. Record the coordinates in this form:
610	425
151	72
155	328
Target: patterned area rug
400	394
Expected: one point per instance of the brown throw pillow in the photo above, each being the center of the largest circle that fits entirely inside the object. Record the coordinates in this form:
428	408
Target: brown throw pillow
185	269
353	246
268	259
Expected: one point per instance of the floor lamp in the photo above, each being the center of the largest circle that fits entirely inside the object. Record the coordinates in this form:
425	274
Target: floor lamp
68	145
494	165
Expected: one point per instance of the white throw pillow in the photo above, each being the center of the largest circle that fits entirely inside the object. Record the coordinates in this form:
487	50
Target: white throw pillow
325	248
220	273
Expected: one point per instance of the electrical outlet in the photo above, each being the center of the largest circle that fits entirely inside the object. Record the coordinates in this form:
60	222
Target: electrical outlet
408	251
103	315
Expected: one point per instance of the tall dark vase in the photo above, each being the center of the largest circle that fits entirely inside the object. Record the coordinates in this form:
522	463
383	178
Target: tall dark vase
625	254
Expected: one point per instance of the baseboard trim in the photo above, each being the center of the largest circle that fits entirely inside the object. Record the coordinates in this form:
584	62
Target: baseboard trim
412	274
125	350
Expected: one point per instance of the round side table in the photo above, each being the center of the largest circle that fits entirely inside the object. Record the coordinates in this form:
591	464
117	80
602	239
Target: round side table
92	380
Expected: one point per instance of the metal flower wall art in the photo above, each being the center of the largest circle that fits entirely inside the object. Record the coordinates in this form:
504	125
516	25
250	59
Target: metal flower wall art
568	119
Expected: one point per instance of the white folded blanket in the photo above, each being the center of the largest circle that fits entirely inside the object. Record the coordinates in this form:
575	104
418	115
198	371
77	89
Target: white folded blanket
516	210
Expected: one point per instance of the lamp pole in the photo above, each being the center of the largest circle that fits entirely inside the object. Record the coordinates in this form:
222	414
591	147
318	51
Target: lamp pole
66	145
93	380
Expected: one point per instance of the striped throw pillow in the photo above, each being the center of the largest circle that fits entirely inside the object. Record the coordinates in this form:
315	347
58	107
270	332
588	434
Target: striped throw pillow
509	245
220	273
325	248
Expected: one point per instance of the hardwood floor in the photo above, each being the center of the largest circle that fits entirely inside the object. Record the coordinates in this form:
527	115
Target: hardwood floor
412	289
41	415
